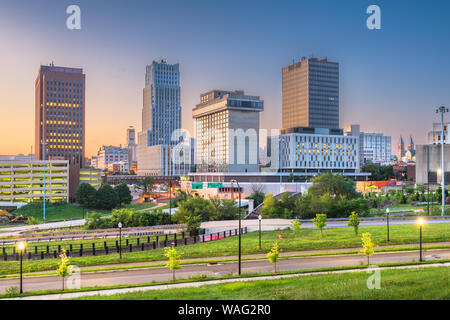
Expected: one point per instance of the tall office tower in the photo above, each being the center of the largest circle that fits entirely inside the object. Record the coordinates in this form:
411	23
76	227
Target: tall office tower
227	132
161	116
131	144
310	94
60	118
161	113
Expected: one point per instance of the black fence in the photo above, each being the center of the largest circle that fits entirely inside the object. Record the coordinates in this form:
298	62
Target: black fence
52	251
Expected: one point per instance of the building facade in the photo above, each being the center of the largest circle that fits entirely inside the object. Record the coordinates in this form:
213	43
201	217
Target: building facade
323	150
110	154
161	112
310	94
26	181
131	145
91	176
435	136
60	118
227	132
373	147
429	164
161	117
165	160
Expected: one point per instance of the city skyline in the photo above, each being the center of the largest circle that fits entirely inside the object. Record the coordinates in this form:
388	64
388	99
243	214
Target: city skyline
391	79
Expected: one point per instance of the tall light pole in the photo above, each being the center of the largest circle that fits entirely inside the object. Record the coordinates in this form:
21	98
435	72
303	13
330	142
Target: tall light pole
44	146
239	216
120	240
260	219
170	201
387	223
21	249
420	222
442	110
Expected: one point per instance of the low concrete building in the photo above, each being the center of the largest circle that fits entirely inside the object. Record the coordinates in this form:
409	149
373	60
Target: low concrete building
25	181
165	160
316	150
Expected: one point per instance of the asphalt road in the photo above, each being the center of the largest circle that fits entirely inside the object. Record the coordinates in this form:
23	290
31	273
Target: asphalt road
163	274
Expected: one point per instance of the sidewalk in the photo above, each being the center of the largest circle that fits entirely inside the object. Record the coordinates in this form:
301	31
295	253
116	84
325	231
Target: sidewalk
109	292
235	257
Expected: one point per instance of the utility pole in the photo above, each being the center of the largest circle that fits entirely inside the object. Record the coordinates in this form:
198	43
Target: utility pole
443	110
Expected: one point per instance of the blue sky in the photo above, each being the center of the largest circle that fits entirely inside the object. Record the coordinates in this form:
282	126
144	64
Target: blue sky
391	79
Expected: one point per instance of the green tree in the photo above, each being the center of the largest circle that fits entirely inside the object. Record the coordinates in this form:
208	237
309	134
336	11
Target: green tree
296	226
257	196
367	246
273	255
320	222
124	194
63	267
271	207
193	223
334	185
193	206
174	259
146	185
354	222
409	190
86	195
379	172
107	198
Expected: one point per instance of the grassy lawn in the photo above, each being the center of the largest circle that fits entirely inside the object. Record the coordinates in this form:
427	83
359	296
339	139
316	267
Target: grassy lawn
423	283
309	239
54	212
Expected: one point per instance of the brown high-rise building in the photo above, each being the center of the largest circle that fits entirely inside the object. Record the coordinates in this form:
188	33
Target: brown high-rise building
60	118
311	94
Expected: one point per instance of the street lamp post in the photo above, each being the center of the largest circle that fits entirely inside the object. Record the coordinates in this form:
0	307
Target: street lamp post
239	216
170	202
387	222
21	249
442	110
420	222
120	240
44	146
260	219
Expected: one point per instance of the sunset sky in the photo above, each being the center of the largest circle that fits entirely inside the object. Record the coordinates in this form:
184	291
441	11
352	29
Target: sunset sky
391	80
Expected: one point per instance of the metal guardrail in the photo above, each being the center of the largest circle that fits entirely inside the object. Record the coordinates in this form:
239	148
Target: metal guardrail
92	234
93	249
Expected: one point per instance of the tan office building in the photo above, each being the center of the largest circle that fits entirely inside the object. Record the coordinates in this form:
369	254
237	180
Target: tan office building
310	94
60	118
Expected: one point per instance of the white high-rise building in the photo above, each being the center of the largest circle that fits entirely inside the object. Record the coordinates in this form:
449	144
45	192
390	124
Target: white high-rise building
227	132
373	147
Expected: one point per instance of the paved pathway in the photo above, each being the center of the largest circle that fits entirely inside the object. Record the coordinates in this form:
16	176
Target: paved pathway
147	275
199	284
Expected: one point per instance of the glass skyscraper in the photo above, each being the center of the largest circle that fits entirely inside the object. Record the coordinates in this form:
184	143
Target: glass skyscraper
161	116
161	113
311	94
